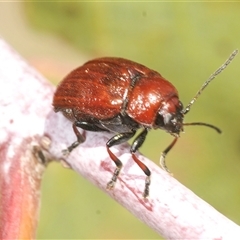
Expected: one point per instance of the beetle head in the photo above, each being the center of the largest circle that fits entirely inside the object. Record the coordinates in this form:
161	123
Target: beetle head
170	117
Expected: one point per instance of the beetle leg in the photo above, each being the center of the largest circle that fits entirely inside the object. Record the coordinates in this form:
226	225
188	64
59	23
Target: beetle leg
117	139
164	153
80	139
137	143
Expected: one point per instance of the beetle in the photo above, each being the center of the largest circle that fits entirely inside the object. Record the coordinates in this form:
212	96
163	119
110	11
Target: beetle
121	96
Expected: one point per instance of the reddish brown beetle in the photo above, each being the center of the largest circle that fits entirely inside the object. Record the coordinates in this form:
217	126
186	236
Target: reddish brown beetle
121	96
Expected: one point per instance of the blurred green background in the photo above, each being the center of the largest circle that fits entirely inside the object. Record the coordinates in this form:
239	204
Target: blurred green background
185	42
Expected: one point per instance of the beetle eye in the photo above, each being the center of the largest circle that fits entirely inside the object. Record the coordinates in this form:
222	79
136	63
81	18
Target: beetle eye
163	121
170	122
159	122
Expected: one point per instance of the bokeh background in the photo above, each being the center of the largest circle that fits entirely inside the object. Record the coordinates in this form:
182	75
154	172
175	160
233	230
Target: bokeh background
185	42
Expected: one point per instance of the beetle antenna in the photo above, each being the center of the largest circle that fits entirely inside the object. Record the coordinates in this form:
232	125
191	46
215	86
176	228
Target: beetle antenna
203	124
218	71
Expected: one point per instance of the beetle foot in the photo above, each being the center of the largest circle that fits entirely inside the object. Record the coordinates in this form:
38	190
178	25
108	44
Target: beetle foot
111	184
146	189
163	163
70	148
65	152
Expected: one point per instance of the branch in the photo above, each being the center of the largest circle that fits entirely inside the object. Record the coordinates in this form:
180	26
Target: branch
29	121
21	134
